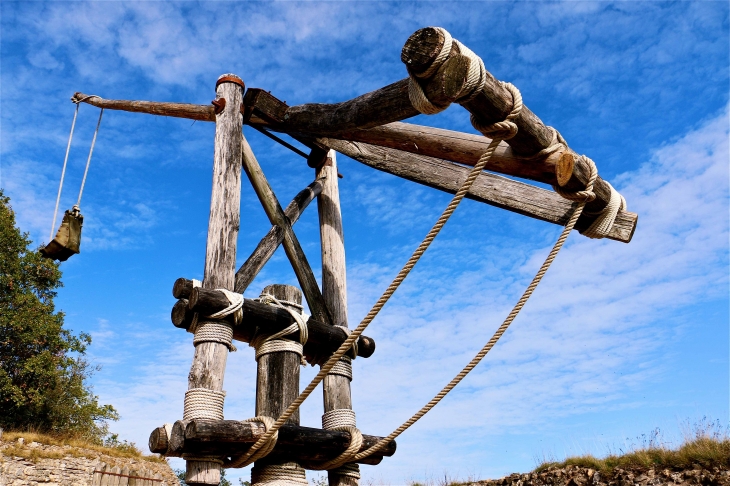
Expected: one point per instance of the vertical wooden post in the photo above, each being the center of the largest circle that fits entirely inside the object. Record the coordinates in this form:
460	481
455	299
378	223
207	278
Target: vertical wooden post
209	362
277	383
334	287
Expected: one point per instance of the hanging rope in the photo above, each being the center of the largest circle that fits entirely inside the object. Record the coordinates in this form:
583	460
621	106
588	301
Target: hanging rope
88	160
63	172
500	131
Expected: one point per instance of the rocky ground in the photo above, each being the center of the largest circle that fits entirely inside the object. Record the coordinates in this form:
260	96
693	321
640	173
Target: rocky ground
583	476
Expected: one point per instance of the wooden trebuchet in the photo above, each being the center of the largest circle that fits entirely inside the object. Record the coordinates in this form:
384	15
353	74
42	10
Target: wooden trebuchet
324	339
230	437
269	243
491	189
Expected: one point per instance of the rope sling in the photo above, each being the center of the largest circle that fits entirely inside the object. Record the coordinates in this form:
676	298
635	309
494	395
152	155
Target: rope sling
498	131
67	241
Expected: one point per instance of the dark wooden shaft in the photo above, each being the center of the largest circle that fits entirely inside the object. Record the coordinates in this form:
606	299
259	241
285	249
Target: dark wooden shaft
491	189
277	383
323	338
269	243
293	249
209	361
231	437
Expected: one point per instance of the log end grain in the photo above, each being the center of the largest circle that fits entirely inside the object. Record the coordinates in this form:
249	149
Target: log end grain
181	288
421	49
564	168
158	441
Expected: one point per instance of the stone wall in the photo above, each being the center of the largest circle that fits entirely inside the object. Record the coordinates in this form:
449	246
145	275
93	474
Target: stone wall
30	464
581	476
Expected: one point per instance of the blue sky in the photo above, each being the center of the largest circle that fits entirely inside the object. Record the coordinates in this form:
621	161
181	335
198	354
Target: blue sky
618	340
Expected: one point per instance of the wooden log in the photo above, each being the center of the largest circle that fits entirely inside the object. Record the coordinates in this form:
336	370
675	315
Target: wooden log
178	110
336	388
158	442
277	380
269	243
209	362
489	188
230	437
494	102
323	338
293	249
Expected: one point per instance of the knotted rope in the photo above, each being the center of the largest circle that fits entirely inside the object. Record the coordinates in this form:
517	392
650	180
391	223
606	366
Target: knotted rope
342	420
274	343
499	129
217	331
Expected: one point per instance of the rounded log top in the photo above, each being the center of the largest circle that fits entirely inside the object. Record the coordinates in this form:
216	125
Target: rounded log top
230	78
421	49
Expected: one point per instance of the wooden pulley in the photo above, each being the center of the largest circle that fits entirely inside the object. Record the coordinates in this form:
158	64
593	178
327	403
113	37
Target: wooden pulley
68	237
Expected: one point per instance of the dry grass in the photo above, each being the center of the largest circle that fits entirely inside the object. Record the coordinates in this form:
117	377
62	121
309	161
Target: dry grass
76	447
706	444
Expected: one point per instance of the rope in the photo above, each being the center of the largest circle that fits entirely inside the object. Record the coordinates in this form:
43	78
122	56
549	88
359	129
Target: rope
91	151
217	331
342	420
355	334
63	172
274	343
267	444
343	368
202	403
354	348
287	474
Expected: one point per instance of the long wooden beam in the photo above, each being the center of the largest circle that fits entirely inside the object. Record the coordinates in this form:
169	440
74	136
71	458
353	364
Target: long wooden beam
224	438
489	188
178	110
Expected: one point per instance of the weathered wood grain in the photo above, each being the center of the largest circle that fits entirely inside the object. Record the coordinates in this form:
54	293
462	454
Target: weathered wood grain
226	437
489	188
293	249
336	388
178	110
209	361
269	243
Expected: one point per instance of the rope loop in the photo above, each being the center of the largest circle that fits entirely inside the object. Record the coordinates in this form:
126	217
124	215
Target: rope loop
265	344
202	403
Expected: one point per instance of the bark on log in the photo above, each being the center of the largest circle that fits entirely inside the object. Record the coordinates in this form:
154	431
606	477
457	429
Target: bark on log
269	243
336	388
209	362
323	338
230	437
491	189
293	249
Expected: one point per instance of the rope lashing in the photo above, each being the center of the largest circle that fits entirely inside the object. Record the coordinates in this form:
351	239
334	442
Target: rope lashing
287	474
342	420
402	274
202	403
343	368
267	446
217	331
274	343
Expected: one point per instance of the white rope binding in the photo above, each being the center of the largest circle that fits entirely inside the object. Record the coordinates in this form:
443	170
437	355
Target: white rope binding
202	403
275	343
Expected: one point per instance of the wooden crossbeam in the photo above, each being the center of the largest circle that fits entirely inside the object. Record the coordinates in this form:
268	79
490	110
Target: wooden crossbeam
269	243
489	188
293	249
224	438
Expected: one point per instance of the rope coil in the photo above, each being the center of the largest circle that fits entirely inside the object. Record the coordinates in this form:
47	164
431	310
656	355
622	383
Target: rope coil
202	403
252	454
287	474
343	368
265	344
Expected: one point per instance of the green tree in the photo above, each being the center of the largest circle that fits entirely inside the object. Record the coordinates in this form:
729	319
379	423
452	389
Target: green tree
42	370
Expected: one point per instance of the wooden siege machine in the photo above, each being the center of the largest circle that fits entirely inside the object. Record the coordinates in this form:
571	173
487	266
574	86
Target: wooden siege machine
367	129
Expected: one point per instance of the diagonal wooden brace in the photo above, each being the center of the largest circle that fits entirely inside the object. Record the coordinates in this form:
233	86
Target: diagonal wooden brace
293	249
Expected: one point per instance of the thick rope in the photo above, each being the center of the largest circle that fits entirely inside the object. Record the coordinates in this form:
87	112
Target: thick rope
502	328
343	368
287	474
217	331
273	343
355	334
354	348
202	403
342	420
268	444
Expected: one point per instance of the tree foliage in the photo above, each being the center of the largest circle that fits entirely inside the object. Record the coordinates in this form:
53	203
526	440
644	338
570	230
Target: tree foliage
42	370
